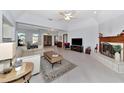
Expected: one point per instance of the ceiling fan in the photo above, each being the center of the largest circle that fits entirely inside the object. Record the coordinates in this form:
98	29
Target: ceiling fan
67	15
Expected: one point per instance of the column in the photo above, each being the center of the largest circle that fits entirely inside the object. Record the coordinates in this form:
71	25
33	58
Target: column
0	26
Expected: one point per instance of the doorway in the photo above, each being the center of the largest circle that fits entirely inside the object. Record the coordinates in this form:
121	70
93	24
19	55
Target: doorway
55	40
65	38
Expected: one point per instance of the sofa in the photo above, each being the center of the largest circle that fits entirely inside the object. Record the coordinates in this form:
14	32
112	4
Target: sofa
23	51
67	45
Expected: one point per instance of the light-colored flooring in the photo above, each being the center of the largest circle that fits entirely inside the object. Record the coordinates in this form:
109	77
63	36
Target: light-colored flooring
89	70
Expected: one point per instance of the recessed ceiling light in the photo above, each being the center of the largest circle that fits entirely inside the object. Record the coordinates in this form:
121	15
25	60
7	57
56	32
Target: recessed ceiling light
94	12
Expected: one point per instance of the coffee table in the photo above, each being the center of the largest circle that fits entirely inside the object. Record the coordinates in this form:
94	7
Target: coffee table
53	57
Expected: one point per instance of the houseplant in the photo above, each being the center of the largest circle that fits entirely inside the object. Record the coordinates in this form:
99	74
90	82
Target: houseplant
117	48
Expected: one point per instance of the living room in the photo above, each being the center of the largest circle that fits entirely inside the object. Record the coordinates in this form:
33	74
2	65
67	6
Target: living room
57	44
61	46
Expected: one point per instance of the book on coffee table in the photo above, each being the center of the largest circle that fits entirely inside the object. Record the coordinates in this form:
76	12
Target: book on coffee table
55	55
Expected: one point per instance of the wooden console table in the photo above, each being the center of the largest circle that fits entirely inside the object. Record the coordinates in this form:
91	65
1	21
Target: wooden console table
21	76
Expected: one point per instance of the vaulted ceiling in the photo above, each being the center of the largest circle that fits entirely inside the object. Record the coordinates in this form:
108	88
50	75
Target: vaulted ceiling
53	19
50	14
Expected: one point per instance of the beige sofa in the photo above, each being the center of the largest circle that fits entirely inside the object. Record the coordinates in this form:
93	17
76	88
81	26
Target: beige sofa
23	51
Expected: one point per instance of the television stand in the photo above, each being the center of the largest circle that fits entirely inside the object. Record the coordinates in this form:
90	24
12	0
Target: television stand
77	48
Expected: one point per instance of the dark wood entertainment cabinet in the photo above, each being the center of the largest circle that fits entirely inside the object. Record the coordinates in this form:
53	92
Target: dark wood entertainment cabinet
77	48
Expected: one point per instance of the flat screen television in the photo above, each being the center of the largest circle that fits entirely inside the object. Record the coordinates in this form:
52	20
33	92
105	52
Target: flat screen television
77	41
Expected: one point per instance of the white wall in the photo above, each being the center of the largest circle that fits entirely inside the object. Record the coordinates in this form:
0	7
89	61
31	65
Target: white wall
12	22
113	26
88	30
7	31
9	18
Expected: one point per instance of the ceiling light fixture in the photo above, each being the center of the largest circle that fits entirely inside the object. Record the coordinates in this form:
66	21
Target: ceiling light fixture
94	12
67	15
67	18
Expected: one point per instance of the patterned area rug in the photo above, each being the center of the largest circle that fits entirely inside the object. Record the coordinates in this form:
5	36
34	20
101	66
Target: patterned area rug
50	74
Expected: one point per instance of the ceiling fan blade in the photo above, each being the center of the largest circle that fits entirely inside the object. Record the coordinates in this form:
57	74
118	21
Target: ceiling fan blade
68	15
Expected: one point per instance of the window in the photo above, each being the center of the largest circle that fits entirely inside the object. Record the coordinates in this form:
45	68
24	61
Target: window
21	39
35	38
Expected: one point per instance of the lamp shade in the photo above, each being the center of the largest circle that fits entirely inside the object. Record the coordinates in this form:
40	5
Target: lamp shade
7	50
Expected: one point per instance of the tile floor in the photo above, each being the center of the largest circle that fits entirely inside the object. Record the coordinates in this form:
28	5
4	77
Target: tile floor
89	70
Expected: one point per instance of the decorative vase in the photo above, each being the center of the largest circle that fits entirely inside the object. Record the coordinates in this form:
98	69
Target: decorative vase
18	64
18	68
117	57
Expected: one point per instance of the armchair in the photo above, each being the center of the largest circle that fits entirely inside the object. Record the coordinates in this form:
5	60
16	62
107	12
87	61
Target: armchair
67	45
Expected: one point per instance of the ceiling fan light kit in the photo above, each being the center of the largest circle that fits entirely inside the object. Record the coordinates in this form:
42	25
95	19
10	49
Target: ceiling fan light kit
67	15
67	18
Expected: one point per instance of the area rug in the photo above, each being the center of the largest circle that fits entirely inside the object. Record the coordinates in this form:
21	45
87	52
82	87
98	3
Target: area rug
50	74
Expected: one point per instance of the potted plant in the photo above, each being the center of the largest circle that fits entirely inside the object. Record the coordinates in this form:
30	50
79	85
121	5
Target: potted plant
117	48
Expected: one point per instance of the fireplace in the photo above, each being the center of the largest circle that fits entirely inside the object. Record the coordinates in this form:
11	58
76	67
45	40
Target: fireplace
112	45
113	48
109	49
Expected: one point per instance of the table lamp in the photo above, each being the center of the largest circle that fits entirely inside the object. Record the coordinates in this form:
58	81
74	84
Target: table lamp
7	54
